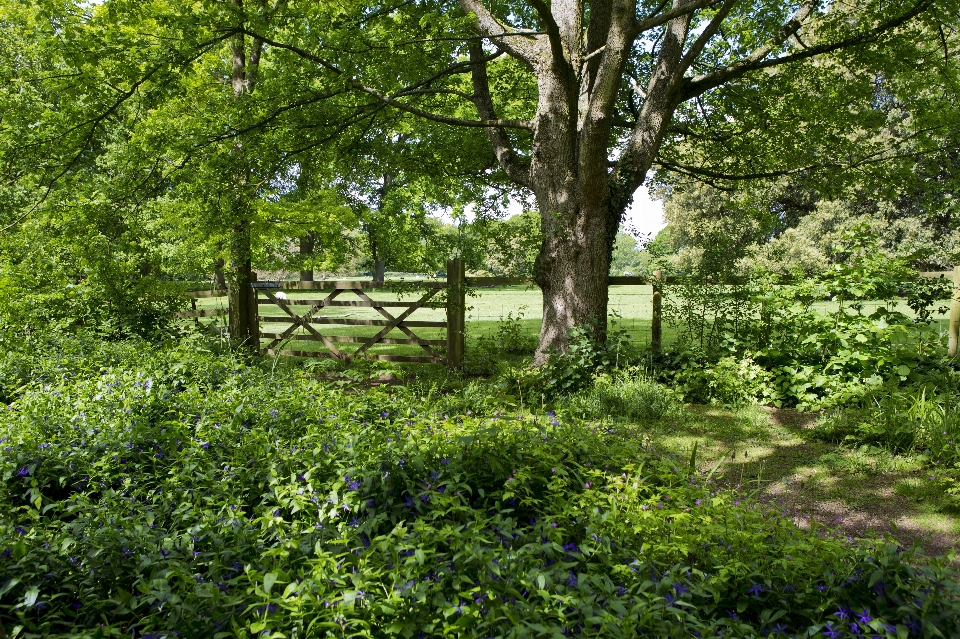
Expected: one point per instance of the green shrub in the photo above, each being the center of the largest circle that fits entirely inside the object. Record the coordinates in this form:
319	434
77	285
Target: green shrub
790	353
571	370
729	381
486	356
183	493
924	421
627	394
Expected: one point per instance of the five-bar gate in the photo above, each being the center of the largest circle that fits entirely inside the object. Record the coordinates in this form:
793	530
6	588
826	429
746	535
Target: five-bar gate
306	322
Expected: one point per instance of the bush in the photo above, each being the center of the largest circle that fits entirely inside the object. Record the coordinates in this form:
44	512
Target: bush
729	381
183	493
788	353
924	421
624	394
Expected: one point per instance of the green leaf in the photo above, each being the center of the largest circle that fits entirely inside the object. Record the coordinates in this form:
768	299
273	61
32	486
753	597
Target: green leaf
268	580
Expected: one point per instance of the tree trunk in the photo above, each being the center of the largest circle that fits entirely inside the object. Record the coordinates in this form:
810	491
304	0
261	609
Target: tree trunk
571	269
218	276
379	271
573	264
242	303
239	286
307	246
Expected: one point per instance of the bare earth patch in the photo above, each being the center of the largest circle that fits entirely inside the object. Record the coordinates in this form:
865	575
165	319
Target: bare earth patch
858	493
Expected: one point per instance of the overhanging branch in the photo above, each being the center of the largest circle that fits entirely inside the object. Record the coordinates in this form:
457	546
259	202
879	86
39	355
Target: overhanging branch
757	60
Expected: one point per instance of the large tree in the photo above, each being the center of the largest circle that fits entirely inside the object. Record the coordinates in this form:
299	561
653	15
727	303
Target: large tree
614	81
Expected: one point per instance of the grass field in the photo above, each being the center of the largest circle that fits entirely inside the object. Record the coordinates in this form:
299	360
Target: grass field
487	309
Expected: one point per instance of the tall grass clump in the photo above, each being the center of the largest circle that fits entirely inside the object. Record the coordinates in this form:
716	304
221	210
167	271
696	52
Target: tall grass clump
181	493
622	394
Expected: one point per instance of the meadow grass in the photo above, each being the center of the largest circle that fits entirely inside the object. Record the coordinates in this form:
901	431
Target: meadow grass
488	308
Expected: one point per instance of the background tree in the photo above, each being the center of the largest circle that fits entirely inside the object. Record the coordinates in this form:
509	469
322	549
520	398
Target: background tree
620	86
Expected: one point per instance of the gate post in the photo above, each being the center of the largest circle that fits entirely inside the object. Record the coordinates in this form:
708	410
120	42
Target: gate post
656	334
456	313
253	305
954	314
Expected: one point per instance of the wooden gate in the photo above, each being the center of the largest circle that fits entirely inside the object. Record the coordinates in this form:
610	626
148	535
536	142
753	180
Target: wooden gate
316	326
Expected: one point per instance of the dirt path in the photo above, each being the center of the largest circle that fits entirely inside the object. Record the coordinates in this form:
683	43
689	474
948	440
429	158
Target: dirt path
857	491
859	504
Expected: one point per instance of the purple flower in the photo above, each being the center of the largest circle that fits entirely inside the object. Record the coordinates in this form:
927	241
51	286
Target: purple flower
831	632
570	548
755	590
571	580
778	629
697	502
864	616
24	472
844	612
21	530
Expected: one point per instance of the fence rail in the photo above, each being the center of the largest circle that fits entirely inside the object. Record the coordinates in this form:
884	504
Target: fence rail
269	294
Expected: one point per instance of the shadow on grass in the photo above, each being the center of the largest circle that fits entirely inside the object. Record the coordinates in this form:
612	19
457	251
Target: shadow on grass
859	491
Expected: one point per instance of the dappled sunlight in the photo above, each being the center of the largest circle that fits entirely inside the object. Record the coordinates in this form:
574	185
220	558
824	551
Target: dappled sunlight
860	491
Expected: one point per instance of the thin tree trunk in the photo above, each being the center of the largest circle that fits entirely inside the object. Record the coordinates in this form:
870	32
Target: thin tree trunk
379	271
307	247
218	276
243	82
238	290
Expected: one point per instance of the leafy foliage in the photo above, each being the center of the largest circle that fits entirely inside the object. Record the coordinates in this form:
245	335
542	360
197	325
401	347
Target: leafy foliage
787	353
134	508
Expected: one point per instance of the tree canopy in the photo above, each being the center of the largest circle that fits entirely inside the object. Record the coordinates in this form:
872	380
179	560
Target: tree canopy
203	123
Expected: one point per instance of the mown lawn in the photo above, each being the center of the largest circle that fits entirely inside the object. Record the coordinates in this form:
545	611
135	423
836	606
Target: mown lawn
630	307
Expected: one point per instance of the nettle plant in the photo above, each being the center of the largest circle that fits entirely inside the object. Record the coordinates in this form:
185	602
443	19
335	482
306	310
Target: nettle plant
814	340
134	509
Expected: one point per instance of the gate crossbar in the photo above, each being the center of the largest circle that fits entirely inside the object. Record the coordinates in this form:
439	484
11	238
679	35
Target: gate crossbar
307	319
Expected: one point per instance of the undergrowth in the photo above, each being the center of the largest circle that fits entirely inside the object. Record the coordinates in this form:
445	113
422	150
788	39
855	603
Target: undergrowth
170	491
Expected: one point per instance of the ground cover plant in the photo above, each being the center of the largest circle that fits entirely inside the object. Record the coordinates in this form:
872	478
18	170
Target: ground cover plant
177	492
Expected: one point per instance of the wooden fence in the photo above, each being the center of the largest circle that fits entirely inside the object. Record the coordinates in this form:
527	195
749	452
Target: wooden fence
451	349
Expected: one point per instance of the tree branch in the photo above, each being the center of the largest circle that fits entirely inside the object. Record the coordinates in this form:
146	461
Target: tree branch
391	100
516	43
755	61
436	117
553	35
711	29
657	19
516	170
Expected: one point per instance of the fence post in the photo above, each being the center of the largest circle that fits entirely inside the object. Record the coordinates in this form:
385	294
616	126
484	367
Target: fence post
254	317
954	314
456	313
656	328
